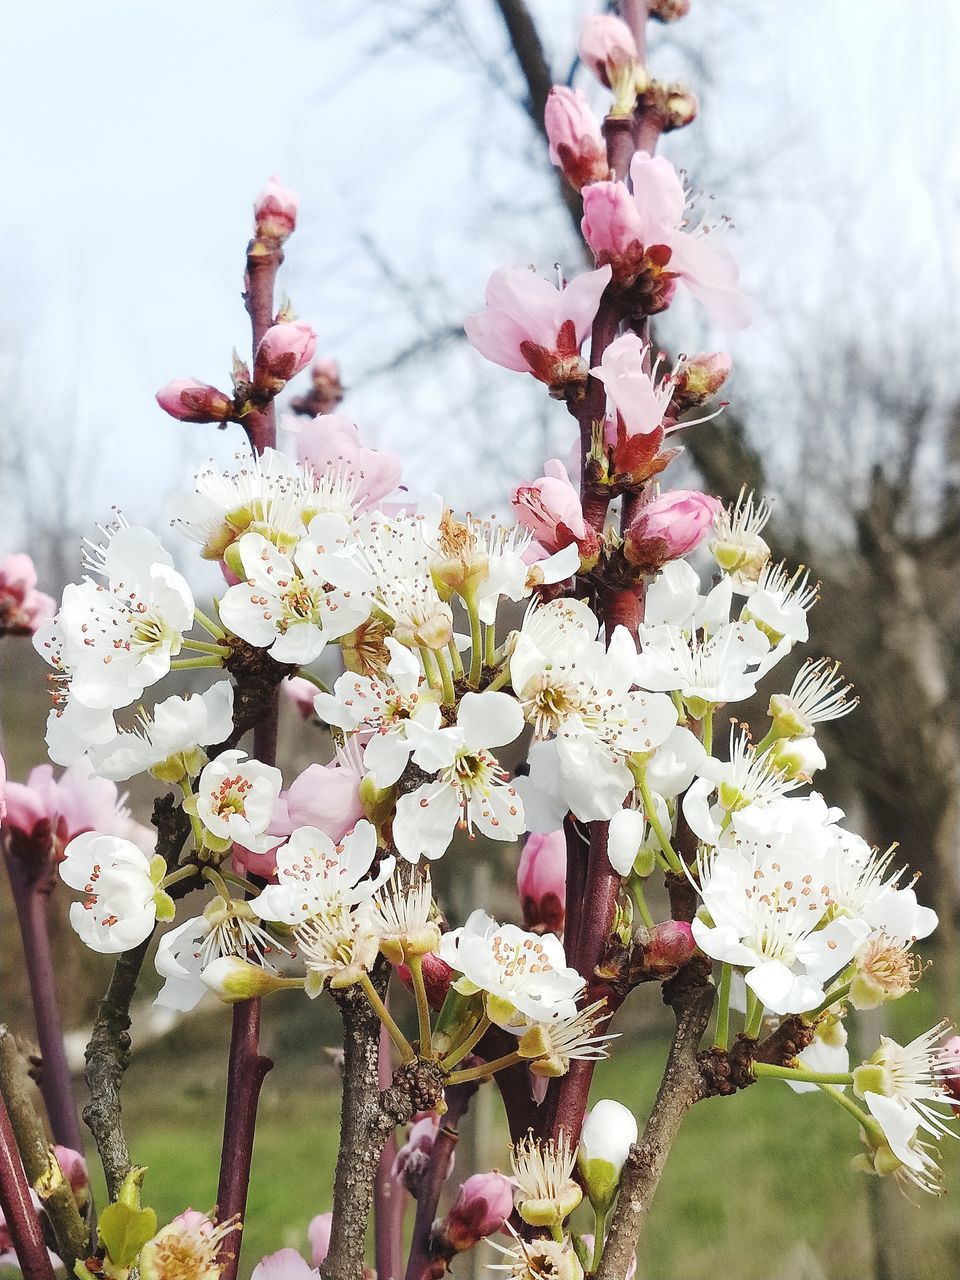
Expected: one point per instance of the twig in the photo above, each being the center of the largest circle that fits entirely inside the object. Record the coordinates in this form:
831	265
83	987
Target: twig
680	1087
458	1099
22	1221
40	1164
389	1196
31	895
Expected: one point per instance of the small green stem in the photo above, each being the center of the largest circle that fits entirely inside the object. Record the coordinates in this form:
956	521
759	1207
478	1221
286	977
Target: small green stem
201	646
216	879
460	1051
640	901
766	741
430	668
599	1236
190	664
556	1231
415	965
485	1069
706	736
774	1072
456	662
862	1118
232	878
657	827
500	679
383	1013
490	644
678	703
314	680
832	997
212	628
476	642
722	1035
446	680
181	873
754	1019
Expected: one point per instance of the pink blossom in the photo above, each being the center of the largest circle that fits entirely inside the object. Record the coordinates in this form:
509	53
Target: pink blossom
285	1265
22	607
413	1158
318	1233
275	211
576	142
483	1204
74	1169
607	47
46	809
190	401
645	240
332	442
670	526
542	881
247	862
550	508
630	386
327	796
300	694
284	350
532	326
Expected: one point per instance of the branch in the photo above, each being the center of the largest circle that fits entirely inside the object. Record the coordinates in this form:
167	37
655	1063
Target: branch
22	1221
680	1088
444	1144
40	1164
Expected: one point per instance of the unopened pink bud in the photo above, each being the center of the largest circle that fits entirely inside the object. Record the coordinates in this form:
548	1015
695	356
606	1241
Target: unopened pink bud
669	10
300	694
437	979
576	143
190	401
318	1233
951	1077
275	212
669	527
607	47
74	1169
667	946
22	608
284	350
413	1159
681	107
542	882
483	1204
550	508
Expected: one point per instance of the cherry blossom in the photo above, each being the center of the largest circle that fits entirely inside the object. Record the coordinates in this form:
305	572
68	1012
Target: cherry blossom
169	743
123	900
235	798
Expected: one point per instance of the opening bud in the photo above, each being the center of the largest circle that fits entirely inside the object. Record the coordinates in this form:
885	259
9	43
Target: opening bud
608	1133
275	212
190	401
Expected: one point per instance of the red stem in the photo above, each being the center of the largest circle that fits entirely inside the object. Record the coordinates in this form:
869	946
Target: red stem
247	1067
22	1221
31	896
458	1099
389	1195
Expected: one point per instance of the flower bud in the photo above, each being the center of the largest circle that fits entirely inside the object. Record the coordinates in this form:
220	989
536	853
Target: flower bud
668	527
22	608
300	694
550	508
74	1169
413	1159
483	1204
284	350
607	47
698	379
667	946
232	979
318	1233
542	882
681	106
275	212
668	10
190	401
608	1133
576	142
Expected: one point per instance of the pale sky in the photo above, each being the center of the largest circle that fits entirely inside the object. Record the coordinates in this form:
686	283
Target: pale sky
138	134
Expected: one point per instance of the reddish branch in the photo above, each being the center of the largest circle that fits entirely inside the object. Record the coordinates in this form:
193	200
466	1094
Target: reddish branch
458	1099
31	886
247	1066
22	1220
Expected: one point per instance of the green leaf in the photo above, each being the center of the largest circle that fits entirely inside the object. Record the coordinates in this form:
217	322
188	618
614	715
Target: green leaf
124	1231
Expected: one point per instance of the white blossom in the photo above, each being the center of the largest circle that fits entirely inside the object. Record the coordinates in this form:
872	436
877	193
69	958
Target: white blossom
314	874
179	726
121	887
235	800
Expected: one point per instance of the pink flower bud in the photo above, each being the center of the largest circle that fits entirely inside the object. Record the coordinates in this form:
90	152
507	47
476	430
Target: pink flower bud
576	142
285	1264
483	1204
613	229
550	508
413	1159
284	350
667	946
74	1169
22	608
699	378
318	1233
190	401
607	47
951	1078
542	882
300	694
669	10
668	527
437	978
275	212
327	796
